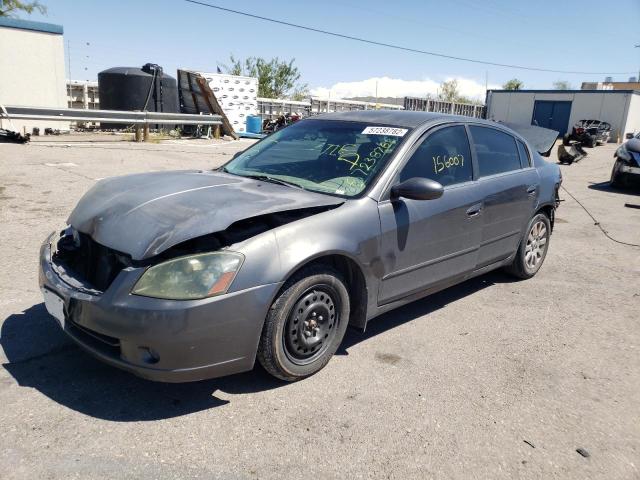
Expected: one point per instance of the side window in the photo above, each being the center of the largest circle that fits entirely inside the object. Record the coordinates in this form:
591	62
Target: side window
496	151
444	156
525	161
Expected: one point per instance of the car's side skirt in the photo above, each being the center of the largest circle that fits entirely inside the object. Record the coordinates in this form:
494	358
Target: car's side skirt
417	295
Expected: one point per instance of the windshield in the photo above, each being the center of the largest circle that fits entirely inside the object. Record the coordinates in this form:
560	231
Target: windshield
327	156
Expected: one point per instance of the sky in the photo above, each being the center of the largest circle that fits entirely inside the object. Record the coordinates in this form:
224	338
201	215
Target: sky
585	35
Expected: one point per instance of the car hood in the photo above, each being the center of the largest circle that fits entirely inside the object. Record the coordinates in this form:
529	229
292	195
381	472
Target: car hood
633	145
144	214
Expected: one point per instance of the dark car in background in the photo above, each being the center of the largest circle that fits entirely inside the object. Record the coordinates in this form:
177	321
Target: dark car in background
588	133
626	169
329	222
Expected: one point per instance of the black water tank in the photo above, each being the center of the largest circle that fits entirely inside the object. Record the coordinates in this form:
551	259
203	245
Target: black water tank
129	88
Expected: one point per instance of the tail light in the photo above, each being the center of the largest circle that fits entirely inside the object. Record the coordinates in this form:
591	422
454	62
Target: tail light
579	130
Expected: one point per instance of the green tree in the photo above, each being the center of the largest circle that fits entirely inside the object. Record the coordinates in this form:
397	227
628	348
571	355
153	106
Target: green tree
276	78
561	85
449	92
513	84
11	8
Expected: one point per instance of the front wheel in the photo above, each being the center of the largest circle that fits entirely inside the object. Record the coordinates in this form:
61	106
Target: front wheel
533	248
305	324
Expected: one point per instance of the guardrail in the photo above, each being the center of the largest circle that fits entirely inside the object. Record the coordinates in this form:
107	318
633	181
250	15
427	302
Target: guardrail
443	106
107	116
274	107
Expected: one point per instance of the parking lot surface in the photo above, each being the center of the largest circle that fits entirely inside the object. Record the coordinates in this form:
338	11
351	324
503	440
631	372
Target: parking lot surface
494	378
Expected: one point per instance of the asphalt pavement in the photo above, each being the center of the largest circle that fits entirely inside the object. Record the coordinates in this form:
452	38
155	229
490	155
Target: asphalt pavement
491	379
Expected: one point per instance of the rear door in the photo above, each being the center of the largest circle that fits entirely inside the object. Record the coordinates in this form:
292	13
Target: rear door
552	114
427	243
510	188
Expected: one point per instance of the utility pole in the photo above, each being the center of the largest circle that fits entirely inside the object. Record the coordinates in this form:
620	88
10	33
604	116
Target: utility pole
69	79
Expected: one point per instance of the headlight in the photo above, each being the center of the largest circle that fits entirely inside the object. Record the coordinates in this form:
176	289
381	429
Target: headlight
190	278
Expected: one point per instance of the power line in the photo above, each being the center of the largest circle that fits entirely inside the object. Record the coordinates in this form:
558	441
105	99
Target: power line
596	222
399	47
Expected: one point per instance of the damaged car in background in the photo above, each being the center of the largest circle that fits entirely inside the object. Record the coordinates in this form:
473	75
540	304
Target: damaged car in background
329	222
626	169
589	133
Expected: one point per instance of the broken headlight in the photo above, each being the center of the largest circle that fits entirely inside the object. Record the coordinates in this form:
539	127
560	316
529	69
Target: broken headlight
190	278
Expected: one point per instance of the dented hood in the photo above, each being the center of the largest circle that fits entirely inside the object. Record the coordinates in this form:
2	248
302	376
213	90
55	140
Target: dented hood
144	214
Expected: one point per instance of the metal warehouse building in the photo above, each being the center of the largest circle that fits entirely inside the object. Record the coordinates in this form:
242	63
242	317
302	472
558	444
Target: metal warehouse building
32	68
560	109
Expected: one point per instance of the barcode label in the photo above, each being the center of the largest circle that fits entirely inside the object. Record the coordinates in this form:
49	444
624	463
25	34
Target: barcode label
392	131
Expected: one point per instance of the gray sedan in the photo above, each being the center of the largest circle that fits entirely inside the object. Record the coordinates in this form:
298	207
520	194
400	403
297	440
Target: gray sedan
187	275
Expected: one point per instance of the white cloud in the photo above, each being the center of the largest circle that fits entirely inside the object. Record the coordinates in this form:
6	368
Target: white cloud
397	87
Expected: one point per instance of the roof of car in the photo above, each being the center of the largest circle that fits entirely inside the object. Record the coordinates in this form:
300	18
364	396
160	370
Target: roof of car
399	118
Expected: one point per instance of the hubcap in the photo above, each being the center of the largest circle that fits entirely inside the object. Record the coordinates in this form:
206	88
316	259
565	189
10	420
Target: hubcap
536	245
311	325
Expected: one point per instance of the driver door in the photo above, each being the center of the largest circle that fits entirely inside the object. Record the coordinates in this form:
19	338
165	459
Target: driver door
427	244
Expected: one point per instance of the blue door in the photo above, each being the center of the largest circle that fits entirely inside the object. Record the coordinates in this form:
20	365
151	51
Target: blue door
551	114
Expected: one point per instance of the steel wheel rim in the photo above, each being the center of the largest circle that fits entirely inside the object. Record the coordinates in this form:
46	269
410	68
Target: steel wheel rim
536	245
311	325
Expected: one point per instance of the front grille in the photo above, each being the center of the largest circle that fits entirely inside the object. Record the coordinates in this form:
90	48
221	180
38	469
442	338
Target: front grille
87	261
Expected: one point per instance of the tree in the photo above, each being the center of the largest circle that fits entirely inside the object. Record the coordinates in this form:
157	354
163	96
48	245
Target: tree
10	8
449	93
561	85
276	78
513	84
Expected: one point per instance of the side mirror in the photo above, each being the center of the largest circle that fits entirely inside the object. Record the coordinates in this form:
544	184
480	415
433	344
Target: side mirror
417	188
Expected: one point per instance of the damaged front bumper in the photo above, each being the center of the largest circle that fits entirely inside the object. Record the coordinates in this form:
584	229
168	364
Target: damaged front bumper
630	170
161	340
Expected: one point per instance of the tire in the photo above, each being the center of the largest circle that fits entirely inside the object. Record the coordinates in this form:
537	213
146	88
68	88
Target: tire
566	140
616	177
305	324
593	141
533	248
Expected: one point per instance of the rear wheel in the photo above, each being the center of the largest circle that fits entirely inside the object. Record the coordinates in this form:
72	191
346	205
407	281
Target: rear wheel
566	140
593	141
533	248
305	324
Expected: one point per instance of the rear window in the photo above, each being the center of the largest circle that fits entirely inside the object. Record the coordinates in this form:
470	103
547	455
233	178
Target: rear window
496	151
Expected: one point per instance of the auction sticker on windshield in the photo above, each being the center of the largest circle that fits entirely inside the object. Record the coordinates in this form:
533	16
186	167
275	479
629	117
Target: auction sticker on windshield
392	131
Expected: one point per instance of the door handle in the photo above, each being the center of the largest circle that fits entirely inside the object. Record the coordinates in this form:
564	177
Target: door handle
532	189
474	210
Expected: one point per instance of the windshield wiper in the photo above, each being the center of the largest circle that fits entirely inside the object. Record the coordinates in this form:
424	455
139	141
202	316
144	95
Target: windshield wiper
267	178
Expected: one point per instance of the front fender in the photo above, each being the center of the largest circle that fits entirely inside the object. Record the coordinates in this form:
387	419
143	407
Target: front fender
351	230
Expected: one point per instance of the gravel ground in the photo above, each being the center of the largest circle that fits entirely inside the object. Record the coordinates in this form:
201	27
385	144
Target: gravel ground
490	379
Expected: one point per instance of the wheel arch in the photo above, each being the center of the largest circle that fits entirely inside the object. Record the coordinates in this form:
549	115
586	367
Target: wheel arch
550	211
353	275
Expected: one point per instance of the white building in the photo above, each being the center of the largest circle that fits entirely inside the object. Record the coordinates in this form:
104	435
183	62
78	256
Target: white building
83	94
32	69
560	109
